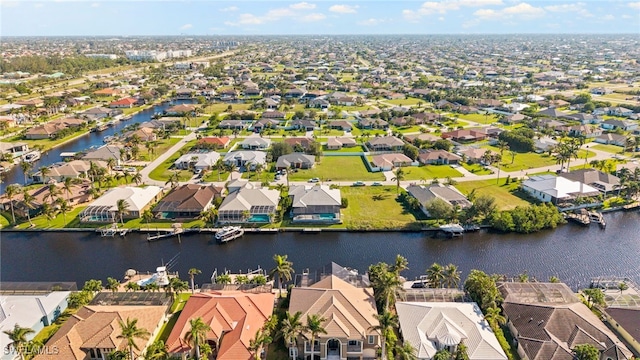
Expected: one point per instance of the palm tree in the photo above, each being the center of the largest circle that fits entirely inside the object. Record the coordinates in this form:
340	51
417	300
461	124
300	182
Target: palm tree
67	185
137	178
291	327
48	212
401	264
192	273
494	317
219	166
64	208
18	337
157	351
256	345
147	216
112	284
53	192
405	352
131	332
387	322
398	177
26	167
283	269
314	328
44	171
28	199
209	215
122	206
197	335
451	276
435	275
111	162
11	191
387	284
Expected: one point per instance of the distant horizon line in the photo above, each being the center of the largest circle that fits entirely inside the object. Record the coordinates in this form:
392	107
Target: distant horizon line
307	35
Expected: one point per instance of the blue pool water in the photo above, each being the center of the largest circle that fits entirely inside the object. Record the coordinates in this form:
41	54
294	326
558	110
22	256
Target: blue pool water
259	218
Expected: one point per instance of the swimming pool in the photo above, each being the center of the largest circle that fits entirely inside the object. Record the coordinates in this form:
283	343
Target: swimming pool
262	218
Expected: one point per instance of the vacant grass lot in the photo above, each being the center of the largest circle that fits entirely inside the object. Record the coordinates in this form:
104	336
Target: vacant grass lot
430	172
222	107
408	129
504	194
402	102
524	161
614	149
476	169
376	207
163	172
338	168
159	148
479	118
353	149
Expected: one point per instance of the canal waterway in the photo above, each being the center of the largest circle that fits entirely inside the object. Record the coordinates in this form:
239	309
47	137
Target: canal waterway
84	142
572	253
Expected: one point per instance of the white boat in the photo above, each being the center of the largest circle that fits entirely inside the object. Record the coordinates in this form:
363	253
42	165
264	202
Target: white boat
452	229
160	277
31	156
228	233
107	139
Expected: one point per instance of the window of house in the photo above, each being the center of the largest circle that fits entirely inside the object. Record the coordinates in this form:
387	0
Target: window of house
371	339
353	342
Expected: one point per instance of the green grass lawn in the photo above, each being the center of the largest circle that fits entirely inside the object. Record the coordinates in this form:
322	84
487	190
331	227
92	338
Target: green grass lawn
338	168
372	132
408	101
58	222
613	149
479	118
328	132
47	144
355	149
430	172
4	222
376	207
408	129
264	176
159	148
476	169
523	161
163	171
212	176
222	107
504	194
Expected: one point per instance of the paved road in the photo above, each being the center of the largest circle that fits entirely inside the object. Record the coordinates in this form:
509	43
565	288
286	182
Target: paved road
161	158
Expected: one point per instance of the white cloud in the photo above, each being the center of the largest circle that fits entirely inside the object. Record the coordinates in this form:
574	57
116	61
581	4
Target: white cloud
303	6
522	10
576	8
441	18
371	22
229	9
634	5
442	7
186	27
313	17
95	5
38	5
344	9
9	4
608	17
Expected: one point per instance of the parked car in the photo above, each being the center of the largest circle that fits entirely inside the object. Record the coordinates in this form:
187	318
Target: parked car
376	184
314	180
419	285
358	183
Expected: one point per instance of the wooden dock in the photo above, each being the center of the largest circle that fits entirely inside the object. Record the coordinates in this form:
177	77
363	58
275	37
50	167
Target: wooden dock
581	218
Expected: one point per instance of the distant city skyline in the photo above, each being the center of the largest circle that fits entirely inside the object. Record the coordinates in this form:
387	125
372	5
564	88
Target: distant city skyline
284	17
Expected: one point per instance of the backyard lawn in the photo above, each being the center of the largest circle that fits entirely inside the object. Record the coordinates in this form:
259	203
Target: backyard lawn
338	168
375	207
408	129
505	199
163	172
59	222
430	172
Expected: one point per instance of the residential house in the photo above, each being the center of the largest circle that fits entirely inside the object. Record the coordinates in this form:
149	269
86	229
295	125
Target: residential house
350	319
233	318
425	118
187	201
104	153
255	143
387	162
475	155
197	161
315	203
612	138
586	131
300	144
79	193
385	143
31	102
28	311
100	113
180	110
624	321
422	137
7	122
337	143
614	124
600	180
544	144
127	102
232	124
620	111
94	331
269	103
447	193
263	124
319	103
184	93
144	134
105	208
52	128
303	124
433	326
437	157
340	125
512	119
465	135
274	114
553	113
13	149
215	142
373	124
249	205
556	189
73	169
586	118
294	93
244	158
295	160
548	321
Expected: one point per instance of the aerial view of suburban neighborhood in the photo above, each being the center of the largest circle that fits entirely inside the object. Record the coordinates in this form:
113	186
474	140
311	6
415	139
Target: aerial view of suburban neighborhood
320	180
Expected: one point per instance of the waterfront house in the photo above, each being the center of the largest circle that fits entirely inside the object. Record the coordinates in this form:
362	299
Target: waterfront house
215	142
73	169
77	194
437	157
547	320
52	128
447	193
433	326
104	153
387	162
100	113
249	204
624	321
255	143
315	203
385	143
180	110
244	158
94	331
295	160
556	189
143	133
600	180
127	102
233	317
33	311
187	201
337	143
350	318
13	149
105	208
197	161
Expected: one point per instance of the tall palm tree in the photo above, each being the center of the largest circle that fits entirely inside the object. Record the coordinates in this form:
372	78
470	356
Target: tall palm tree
67	185
137	178
131	332
494	317
157	351
44	171
435	275
113	284
64	208
291	327
147	216
18	337
388	283
122	206
256	345
401	264
314	328
197	335
11	191
48	212
451	276
53	192
28	199
399	176
405	352
283	270
26	167
192	273
219	166
387	322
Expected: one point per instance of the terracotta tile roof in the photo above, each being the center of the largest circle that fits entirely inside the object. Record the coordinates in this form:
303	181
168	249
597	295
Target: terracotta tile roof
234	318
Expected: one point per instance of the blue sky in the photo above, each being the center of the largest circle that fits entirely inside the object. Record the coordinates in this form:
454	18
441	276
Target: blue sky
168	17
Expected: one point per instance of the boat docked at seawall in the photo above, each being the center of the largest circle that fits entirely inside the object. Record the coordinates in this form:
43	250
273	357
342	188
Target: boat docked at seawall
228	233
160	277
31	156
452	230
